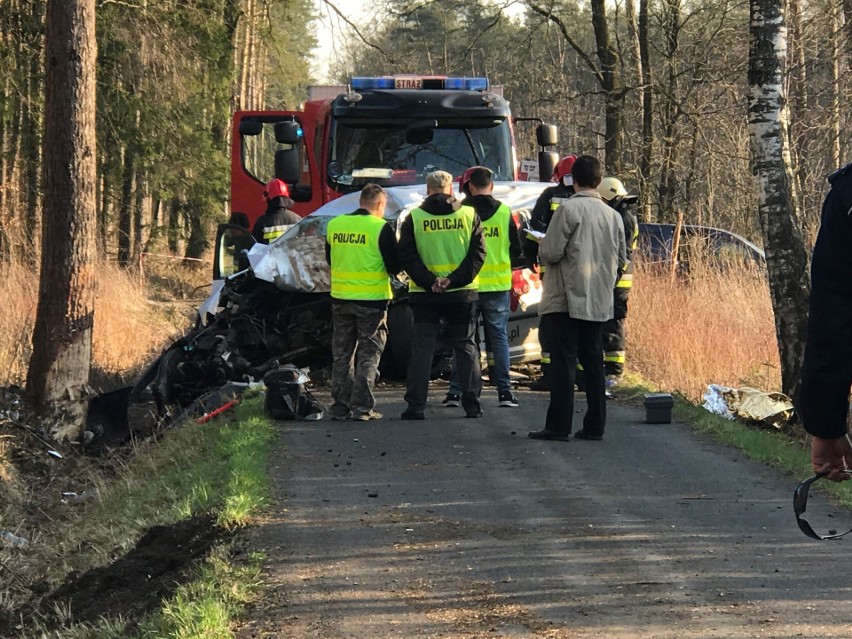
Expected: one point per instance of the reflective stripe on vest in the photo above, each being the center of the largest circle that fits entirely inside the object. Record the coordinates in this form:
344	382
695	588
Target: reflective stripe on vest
556	201
615	357
443	242
496	273
625	281
274	232
358	269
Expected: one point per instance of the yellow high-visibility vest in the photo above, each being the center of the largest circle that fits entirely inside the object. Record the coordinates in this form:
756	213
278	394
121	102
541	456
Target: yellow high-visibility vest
496	273
358	269
443	242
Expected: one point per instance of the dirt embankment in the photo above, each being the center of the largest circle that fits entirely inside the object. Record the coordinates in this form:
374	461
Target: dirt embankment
46	490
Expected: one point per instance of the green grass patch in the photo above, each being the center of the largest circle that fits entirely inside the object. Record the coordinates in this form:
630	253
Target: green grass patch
220	467
205	606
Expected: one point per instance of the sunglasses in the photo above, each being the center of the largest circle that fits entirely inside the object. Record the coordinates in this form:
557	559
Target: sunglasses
800	503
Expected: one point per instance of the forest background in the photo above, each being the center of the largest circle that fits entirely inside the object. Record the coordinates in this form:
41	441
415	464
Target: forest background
657	88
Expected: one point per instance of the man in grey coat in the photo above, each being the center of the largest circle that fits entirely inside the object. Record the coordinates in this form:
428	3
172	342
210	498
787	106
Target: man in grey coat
584	251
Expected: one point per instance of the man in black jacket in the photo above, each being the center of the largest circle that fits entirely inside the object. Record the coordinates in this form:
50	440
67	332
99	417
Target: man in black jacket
278	216
823	402
442	249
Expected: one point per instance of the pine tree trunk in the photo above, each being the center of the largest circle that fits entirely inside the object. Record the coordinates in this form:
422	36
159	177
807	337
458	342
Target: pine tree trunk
125	210
671	137
197	243
786	258
32	164
62	337
173	231
635	50
613	90
138	218
103	209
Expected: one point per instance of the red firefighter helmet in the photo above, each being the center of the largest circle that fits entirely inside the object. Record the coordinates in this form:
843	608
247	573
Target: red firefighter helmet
276	188
563	167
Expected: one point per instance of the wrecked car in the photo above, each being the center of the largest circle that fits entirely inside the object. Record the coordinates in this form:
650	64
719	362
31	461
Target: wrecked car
296	262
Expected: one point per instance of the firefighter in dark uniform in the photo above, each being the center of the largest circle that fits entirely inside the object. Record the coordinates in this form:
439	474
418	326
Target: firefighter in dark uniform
442	249
542	212
613	193
278	216
361	250
823	402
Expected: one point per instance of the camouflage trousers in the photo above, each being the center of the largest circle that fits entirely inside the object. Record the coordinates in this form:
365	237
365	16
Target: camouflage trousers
359	337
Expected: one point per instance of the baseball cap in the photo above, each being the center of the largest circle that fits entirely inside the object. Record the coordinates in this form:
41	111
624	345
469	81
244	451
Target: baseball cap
439	180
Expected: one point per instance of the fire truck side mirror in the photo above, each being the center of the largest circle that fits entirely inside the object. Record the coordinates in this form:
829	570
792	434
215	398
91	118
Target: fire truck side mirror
547	135
250	127
288	132
546	163
287	165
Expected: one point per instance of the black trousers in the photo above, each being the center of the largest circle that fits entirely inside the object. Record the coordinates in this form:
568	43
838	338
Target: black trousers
460	320
572	340
613	334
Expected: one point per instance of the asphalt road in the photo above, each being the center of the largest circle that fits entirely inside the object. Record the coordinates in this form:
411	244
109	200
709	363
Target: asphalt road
453	527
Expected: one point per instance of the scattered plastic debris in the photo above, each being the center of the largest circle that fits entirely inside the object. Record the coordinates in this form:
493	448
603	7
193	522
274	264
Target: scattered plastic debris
13	540
55	454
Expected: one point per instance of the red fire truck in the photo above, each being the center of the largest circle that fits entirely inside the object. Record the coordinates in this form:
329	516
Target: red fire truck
390	130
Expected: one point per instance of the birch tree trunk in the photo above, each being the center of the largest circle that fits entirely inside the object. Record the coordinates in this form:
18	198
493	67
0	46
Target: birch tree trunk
62	337
836	61
786	258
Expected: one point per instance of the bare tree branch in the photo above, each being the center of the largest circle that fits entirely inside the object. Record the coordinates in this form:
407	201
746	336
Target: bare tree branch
355	28
548	13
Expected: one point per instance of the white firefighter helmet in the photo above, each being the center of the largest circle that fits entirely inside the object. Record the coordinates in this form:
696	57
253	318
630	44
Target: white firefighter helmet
610	188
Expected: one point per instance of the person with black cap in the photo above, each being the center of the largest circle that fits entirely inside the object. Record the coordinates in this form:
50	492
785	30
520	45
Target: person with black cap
442	249
278	216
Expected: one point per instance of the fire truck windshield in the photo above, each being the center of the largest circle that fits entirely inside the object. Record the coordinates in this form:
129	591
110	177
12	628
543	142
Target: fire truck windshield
393	155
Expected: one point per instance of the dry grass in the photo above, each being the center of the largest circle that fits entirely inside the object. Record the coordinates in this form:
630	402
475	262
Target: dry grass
707	327
128	326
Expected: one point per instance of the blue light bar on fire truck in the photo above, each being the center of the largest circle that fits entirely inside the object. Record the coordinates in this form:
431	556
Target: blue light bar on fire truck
419	82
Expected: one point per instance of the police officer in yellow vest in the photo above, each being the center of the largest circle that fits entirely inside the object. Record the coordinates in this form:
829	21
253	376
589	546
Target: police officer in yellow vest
503	247
442	249
361	249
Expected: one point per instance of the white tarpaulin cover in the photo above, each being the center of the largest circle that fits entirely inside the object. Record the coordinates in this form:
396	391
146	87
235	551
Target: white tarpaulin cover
296	264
